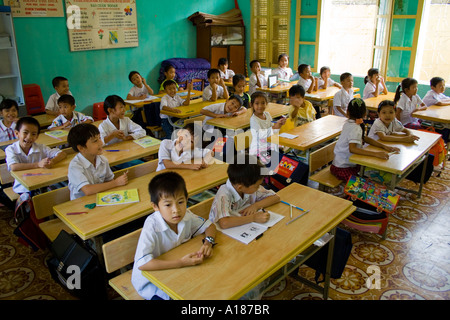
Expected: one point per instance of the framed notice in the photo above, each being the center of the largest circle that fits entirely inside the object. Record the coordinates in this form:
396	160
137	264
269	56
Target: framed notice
94	25
33	8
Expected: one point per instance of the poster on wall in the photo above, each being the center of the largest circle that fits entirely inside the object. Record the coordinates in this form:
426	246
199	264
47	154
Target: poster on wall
35	8
108	24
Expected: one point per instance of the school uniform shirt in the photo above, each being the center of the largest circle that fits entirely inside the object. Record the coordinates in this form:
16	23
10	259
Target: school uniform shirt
169	101
305	114
321	83
261	129
283	73
128	126
432	98
341	99
136	91
351	133
52	103
207	93
408	106
15	154
157	238
228	202
252	83
245	100
77	118
167	152
379	126
369	89
228	75
305	83
6	133
218	108
82	172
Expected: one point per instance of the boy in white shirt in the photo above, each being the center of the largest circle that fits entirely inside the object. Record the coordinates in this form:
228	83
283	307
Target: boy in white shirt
216	88
256	80
141	89
170	225
307	80
225	73
343	96
89	171
436	95
9	110
68	117
61	86
231	108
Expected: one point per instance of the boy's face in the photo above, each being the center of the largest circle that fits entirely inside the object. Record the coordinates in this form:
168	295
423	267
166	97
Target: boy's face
250	189
256	67
66	110
347	83
296	100
184	141
93	146
118	111
136	79
27	135
172	208
170	74
171	90
214	78
10	114
240	87
440	87
62	87
306	72
232	105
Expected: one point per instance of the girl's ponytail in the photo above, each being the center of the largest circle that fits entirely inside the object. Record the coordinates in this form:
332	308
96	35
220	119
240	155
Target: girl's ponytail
397	93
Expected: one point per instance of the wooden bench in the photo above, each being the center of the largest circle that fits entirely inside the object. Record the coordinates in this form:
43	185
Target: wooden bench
318	159
119	253
242	141
7	178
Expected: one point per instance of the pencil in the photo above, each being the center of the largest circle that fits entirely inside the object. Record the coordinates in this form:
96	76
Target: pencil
292	205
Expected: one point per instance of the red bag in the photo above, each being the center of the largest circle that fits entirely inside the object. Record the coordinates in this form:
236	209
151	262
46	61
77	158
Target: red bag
438	150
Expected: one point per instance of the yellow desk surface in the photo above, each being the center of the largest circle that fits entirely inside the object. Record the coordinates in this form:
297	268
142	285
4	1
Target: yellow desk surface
399	163
193	109
372	103
440	114
2	155
44	119
59	172
102	219
313	133
235	268
140	104
281	88
325	94
242	121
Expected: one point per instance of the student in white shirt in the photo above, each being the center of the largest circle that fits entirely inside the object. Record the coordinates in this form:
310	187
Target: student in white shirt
374	84
436	95
170	225
306	79
325	81
407	101
216	88
283	71
141	89
68	117
256	80
343	96
231	108
9	110
225	73
61	86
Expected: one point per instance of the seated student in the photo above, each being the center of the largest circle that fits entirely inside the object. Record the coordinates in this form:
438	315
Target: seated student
170	102
239	88
343	96
407	101
61	86
225	73
387	128
171	224
325	81
307	80
27	154
184	152
216	88
256	80
9	109
141	89
89	171
374	84
68	117
436	95
231	108
116	127
301	111
240	199
170	74
283	71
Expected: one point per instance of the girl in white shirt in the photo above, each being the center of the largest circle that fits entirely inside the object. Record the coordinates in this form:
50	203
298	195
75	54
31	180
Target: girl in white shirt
407	101
283	71
374	84
261	127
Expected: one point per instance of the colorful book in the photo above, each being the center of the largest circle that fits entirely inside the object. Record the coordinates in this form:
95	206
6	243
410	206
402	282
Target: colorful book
58	134
146	142
117	197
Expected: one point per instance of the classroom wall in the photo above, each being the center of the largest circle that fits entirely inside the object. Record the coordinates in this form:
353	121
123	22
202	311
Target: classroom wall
164	32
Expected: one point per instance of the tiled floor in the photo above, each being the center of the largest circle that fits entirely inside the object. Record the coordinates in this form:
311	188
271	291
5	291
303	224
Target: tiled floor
413	261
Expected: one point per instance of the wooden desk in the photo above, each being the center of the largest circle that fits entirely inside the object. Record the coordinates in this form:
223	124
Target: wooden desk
435	114
372	103
325	94
140	104
400	165
235	268
44	119
59	172
242	121
2	155
102	219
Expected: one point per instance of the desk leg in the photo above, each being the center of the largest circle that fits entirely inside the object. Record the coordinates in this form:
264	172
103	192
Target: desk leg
422	176
98	243
326	285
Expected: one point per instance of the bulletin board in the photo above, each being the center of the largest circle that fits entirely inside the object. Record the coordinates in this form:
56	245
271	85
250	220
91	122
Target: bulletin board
108	24
34	8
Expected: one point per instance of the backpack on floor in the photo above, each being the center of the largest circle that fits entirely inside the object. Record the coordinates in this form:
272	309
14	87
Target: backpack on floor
289	170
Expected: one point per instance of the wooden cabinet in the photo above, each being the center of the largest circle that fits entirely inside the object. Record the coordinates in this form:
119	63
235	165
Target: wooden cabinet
215	42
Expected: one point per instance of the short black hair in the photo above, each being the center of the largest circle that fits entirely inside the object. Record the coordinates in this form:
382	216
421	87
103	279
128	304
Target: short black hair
80	134
344	76
257	94
166	184
8	104
168	82
213	71
168	67
253	62
302	67
246	170
323	69
56	81
222	61
385	103
131	74
297	89
111	102
28	120
66	98
237	98
435	80
236	78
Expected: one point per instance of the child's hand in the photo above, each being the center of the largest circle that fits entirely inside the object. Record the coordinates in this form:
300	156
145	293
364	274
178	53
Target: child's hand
66	124
261	216
249	210
143	80
206	250
45	163
381	155
422	107
192	259
411	138
196	166
118	134
391	149
175	110
222	115
204	164
122	180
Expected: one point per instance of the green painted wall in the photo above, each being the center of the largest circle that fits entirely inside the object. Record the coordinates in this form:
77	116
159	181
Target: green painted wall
164	32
